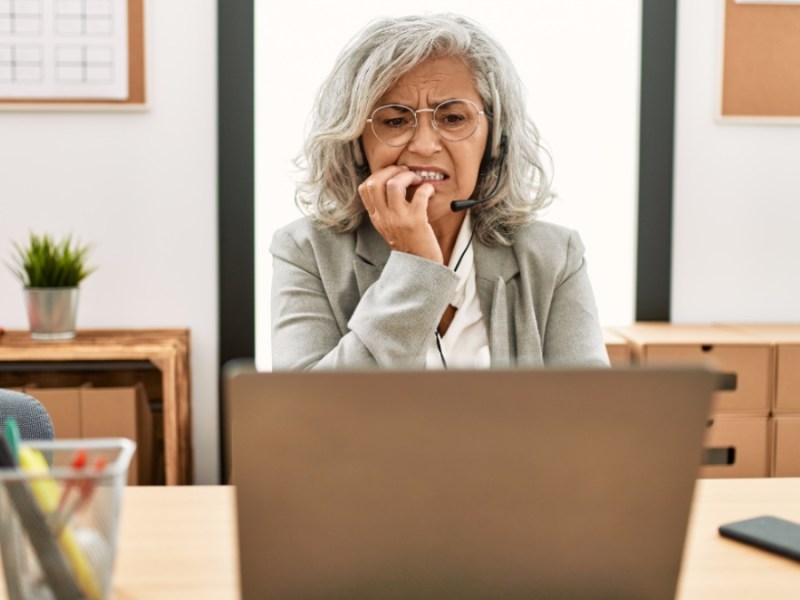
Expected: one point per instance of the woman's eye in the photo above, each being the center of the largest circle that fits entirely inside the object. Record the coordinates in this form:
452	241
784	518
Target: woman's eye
396	122
452	119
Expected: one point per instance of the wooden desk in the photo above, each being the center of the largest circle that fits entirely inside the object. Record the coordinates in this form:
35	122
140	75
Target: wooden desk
715	567
180	543
177	543
166	349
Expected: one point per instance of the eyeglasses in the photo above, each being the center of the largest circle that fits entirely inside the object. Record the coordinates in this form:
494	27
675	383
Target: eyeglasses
453	120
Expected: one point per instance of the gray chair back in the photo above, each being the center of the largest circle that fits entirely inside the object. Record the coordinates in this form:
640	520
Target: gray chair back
33	420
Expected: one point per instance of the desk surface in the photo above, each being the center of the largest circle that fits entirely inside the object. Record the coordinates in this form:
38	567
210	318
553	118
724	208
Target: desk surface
180	542
177	543
715	567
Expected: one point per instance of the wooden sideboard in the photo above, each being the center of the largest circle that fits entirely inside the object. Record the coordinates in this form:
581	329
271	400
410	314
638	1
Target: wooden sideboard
166	349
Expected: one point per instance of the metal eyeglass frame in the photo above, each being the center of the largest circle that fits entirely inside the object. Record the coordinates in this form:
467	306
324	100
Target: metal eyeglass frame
415	112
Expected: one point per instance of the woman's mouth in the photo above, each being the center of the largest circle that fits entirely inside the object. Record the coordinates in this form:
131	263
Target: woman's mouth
430	175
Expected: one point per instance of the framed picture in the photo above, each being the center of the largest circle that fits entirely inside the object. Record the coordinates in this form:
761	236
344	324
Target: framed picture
761	61
67	54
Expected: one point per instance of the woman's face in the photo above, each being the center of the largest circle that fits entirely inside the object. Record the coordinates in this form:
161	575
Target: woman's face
455	164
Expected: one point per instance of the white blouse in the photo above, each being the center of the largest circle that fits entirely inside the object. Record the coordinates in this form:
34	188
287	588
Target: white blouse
465	345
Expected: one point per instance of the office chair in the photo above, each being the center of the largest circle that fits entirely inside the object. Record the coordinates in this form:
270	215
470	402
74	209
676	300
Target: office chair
33	420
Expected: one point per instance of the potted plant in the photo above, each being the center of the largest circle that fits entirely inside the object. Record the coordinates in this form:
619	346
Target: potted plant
50	272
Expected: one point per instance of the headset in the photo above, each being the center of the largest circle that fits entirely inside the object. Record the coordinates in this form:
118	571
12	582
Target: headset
494	158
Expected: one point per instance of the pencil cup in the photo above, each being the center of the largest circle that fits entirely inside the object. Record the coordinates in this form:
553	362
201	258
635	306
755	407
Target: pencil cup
59	515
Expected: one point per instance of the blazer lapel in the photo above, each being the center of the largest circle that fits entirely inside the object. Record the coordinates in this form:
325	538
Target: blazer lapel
494	267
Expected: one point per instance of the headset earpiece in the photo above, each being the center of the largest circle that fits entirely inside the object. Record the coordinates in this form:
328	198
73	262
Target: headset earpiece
494	154
502	148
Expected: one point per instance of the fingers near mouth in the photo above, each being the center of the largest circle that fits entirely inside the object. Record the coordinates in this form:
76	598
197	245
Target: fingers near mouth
423	190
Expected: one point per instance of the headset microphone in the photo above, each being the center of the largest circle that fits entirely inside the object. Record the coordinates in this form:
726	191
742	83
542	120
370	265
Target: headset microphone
457	205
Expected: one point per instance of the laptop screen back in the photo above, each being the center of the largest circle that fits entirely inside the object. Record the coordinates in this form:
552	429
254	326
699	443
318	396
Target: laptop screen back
465	484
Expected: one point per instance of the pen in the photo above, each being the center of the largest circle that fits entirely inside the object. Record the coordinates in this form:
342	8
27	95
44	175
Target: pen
84	488
56	519
11	430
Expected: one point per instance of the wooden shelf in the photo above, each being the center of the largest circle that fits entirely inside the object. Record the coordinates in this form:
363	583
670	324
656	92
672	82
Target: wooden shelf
166	349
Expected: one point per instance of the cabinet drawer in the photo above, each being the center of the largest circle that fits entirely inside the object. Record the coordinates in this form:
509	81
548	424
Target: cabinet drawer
745	440
751	364
786	446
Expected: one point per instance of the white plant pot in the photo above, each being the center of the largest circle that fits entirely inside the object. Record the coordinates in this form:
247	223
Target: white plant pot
52	312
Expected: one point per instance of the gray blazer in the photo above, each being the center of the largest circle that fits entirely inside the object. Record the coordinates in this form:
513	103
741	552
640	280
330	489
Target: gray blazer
347	301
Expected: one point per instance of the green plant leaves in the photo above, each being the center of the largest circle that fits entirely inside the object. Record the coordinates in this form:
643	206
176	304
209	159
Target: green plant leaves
44	262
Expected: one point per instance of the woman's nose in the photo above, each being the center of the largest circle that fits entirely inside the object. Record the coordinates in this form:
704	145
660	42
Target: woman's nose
426	139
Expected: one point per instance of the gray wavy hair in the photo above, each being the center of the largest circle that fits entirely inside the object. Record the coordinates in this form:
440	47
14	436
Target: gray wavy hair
367	68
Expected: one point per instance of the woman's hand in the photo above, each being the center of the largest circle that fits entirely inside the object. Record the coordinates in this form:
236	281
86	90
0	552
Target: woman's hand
401	221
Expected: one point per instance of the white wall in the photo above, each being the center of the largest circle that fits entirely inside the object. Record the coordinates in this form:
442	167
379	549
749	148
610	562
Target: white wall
737	194
580	61
142	187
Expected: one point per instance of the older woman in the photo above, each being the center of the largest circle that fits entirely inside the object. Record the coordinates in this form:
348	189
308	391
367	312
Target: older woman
421	248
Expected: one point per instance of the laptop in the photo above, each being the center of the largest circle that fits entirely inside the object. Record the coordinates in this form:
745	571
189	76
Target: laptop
465	484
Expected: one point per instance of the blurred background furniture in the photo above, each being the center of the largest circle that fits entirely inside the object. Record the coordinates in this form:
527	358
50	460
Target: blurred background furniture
157	359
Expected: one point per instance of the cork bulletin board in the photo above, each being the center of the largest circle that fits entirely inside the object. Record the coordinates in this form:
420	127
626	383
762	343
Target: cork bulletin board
761	60
72	55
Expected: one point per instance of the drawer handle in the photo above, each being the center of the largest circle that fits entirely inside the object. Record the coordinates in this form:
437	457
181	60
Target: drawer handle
719	456
727	382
